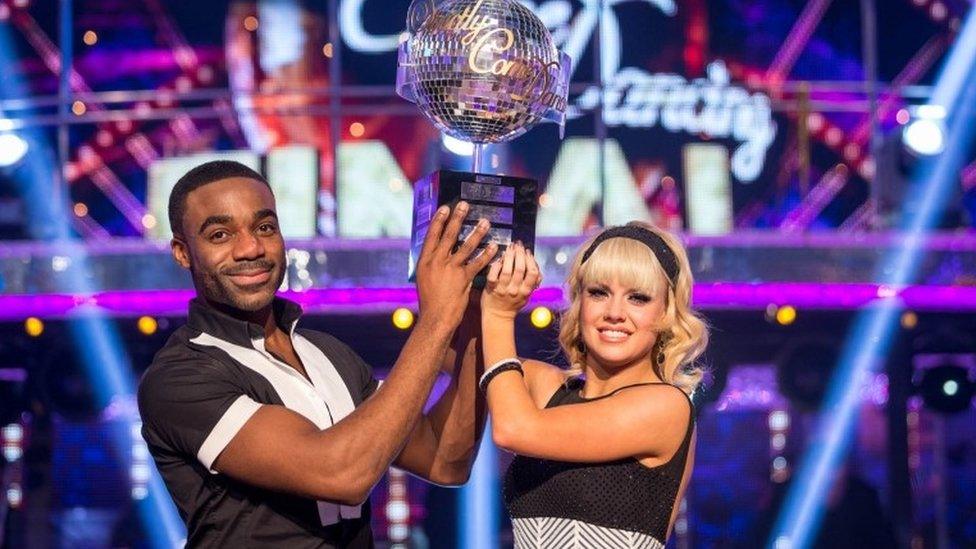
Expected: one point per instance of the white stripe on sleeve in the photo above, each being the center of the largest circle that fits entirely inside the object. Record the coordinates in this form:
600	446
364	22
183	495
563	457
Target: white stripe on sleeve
230	423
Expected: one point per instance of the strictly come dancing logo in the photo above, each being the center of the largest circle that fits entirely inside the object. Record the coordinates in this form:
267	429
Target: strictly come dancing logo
633	97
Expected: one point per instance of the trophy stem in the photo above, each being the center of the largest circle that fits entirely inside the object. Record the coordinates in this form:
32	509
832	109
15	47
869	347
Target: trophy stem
479	154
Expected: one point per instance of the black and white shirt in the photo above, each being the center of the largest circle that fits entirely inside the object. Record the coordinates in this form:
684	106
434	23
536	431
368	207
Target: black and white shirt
204	385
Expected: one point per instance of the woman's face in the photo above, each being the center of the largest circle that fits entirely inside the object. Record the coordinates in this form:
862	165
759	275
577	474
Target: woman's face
618	323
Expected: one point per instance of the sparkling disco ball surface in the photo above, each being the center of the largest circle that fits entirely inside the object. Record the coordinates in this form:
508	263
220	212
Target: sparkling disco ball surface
480	69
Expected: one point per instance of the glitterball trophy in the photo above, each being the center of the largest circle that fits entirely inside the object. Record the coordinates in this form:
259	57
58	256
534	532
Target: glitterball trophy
483	71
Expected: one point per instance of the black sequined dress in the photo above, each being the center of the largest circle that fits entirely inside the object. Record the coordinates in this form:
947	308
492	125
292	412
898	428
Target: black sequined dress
614	504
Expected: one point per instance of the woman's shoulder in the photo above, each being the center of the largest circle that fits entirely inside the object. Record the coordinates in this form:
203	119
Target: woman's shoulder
667	392
655	403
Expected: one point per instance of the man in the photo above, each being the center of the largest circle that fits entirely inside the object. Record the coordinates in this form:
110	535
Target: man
268	435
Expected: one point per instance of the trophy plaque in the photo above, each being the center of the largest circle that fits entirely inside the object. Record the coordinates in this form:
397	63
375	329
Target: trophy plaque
482	71
509	203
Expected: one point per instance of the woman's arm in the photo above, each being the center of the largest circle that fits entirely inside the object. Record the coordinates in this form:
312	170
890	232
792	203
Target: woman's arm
639	422
645	421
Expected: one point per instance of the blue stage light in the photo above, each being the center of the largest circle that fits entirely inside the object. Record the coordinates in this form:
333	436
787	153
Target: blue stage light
478	511
103	356
870	337
12	149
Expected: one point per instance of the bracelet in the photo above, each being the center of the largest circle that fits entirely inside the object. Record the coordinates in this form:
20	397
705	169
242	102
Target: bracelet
499	363
497	368
491	368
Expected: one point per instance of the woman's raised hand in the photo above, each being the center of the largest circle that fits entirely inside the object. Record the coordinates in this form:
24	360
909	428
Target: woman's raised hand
511	280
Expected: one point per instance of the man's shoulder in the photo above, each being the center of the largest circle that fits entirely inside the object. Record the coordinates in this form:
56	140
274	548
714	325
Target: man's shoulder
179	357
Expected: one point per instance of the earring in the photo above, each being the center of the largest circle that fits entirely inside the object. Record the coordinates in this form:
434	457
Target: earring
662	340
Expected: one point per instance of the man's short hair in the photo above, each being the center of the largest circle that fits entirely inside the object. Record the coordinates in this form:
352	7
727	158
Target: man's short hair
204	174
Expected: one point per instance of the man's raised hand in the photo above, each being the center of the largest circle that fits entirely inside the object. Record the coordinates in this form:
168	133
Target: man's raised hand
444	276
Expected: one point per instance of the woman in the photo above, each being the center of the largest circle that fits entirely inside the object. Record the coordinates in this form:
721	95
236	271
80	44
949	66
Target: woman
604	451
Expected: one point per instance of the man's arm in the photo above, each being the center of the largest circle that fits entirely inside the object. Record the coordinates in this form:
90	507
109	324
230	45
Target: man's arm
280	450
443	445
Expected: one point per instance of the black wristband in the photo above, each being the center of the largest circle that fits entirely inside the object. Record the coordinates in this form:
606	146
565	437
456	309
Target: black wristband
508	366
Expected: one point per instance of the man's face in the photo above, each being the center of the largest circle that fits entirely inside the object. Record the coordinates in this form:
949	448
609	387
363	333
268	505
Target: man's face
231	243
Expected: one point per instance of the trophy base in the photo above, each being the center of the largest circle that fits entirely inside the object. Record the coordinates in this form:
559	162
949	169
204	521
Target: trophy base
509	203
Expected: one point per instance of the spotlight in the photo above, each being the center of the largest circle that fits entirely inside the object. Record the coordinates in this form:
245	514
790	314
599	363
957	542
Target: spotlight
909	320
947	388
541	317
804	370
403	318
925	136
456	146
34	326
786	315
12	149
147	325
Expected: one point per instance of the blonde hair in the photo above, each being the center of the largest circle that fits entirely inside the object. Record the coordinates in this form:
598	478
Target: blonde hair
682	334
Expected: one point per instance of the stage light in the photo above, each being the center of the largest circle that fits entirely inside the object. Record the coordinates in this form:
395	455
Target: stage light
403	318
80	209
34	326
79	108
356	129
785	315
327	50
251	23
456	146
147	325
947	388
104	363
925	136
909	320
872	331
478	502
90	38
12	149
541	317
